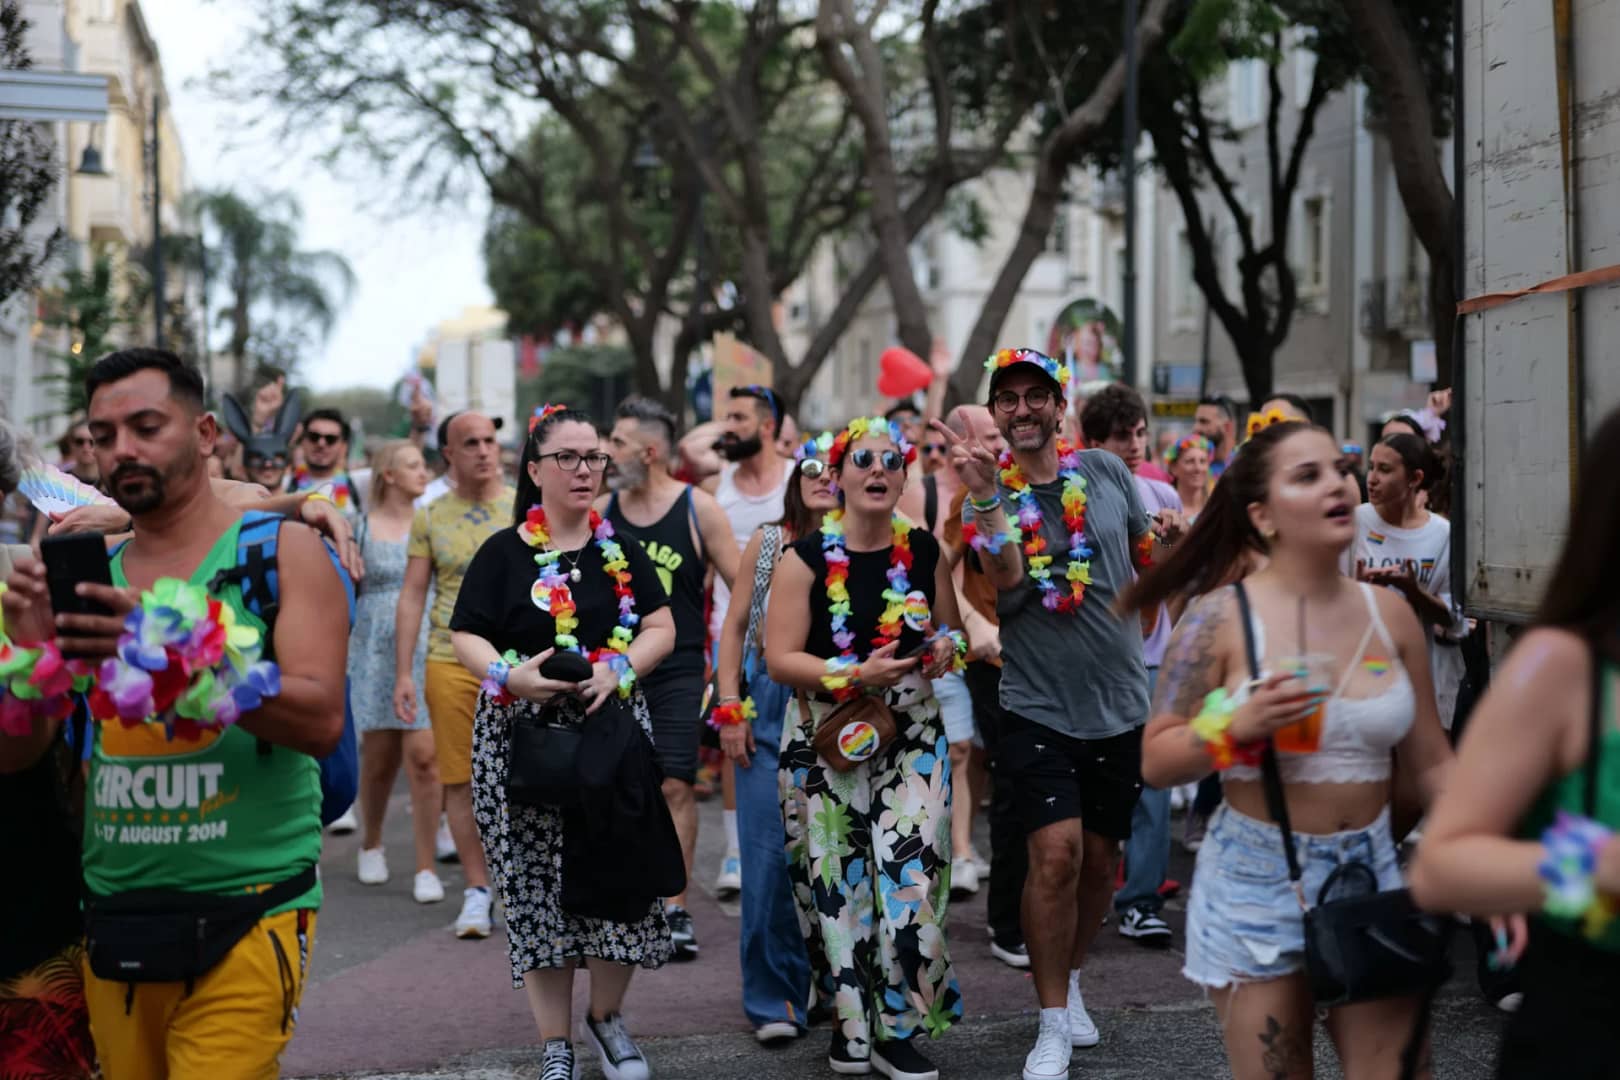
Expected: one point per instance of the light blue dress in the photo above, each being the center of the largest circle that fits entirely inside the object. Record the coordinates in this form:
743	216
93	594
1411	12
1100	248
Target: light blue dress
371	642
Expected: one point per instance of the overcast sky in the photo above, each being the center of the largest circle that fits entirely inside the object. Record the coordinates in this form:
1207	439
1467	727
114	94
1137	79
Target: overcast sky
413	270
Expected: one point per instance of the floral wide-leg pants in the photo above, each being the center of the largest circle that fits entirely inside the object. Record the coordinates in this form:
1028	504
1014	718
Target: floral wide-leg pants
869	855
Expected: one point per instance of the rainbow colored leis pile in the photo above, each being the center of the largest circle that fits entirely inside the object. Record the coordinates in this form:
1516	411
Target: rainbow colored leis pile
1055	370
1185	443
35	681
1028	520
899	600
862	426
183	661
550	593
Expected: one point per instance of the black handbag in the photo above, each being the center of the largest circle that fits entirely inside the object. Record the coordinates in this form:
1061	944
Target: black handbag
541	769
162	935
1361	944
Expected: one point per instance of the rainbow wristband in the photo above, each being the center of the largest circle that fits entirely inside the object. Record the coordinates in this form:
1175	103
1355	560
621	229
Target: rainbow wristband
495	676
1568	872
1213	725
732	713
978	541
843	674
619	664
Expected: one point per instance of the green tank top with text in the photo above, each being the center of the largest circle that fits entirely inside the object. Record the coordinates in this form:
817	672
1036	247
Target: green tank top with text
209	815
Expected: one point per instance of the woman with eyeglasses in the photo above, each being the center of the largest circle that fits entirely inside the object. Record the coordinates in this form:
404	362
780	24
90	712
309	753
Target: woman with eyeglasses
858	608
776	971
559	580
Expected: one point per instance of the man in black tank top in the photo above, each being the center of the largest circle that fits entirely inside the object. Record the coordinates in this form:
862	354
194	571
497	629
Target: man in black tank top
684	532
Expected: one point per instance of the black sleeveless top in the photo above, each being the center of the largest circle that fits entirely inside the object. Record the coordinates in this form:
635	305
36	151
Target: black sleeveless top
680	565
868	577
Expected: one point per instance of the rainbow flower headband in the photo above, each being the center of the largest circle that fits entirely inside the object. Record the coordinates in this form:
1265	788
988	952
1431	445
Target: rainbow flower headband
815	446
1189	442
542	413
860	428
1006	358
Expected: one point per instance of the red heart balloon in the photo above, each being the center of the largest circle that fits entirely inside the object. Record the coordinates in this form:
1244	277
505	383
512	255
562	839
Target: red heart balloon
903	372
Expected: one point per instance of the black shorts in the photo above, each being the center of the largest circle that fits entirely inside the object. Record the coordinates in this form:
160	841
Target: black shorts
675	701
1059	778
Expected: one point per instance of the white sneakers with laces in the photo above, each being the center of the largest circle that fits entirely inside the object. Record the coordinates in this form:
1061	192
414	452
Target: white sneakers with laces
427	888
473	922
1082	1032
964	877
373	867
1050	1058
444	845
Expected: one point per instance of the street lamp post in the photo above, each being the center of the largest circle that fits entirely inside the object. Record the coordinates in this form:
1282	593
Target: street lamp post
157	227
1128	167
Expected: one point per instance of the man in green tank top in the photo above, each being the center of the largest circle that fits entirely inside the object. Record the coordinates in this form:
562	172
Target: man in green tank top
226	814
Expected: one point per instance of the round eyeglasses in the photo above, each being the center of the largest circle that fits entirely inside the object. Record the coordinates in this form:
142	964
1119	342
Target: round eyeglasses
1036	397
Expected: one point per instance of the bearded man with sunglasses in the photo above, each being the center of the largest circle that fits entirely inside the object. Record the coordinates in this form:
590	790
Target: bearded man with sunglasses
326	453
1057	530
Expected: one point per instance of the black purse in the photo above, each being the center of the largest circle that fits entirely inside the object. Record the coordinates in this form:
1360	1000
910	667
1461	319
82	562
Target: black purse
1361	944
541	766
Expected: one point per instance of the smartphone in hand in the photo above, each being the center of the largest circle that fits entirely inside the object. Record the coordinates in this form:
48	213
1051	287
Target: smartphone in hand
69	560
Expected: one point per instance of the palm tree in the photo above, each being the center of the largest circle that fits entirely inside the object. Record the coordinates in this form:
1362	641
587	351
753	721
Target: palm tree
274	291
86	304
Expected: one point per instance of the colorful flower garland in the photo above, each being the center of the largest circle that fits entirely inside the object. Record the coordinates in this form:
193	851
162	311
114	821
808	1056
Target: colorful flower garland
815	446
1029	523
183	661
35	681
901	604
862	426
732	713
495	676
1185	443
1568	871
551	594
542	413
1057	371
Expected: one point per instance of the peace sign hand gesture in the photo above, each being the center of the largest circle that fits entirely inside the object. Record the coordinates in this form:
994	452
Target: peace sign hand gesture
975	465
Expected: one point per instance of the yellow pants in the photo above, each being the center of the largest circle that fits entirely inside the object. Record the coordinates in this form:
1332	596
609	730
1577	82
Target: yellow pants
232	1026
452	699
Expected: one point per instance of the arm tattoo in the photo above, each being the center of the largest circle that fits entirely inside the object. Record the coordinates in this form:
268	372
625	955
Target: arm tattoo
1191	664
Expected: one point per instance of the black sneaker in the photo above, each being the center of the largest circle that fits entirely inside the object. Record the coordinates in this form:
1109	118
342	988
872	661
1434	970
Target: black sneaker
844	1063
681	934
899	1059
559	1062
1144	927
621	1057
1010	951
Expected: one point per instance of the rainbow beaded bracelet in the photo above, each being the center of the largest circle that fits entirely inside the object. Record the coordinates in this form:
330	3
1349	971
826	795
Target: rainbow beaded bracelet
732	713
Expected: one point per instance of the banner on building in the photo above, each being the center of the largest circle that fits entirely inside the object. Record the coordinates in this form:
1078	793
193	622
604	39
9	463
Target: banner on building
1085	335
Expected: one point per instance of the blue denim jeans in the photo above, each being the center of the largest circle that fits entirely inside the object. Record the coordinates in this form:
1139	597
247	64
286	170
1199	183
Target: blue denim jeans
1147	852
775	966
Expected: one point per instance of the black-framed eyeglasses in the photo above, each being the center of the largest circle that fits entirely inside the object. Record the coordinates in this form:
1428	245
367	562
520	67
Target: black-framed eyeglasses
322	438
1036	397
568	460
893	460
812	467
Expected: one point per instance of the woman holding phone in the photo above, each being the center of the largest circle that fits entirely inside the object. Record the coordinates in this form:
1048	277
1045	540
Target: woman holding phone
1342	680
558	580
855	610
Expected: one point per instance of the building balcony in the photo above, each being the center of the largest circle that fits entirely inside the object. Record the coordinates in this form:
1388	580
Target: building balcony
104	49
109	217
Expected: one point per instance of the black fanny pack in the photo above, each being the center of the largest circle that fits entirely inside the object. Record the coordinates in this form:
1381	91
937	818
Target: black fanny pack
163	935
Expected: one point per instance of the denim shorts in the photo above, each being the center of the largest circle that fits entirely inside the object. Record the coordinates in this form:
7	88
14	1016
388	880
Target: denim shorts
1244	922
955	707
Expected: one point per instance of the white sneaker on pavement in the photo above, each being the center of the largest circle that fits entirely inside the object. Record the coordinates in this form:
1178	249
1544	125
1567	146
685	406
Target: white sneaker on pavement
980	864
1050	1058
427	888
373	866
964	877
729	882
344	825
473	922
1082	1032
776	1031
444	845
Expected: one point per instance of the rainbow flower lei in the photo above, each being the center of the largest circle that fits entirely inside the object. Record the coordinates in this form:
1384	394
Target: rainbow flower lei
184	662
1078	574
902	605
550	593
36	681
862	426
732	713
1568	869
1055	370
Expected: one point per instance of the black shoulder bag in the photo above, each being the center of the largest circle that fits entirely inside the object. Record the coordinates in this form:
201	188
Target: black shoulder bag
541	769
1360	944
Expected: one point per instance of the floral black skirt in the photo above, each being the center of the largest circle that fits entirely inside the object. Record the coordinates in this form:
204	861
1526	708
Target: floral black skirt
524	846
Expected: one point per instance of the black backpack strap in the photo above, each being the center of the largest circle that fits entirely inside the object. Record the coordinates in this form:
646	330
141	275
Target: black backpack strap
1270	774
931	501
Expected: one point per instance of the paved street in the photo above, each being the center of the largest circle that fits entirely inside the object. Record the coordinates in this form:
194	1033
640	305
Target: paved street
395	994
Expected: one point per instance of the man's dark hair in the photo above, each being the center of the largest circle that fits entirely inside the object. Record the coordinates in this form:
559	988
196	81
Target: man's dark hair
1223	403
899	407
644	410
1297	402
331	416
185	381
764	395
1113	408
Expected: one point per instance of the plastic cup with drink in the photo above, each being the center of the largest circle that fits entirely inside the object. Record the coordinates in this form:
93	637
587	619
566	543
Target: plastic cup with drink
1315	670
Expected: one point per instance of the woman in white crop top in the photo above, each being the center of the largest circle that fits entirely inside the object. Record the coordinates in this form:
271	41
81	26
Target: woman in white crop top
1285	495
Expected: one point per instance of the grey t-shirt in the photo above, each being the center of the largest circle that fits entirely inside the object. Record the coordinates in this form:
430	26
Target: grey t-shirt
1079	672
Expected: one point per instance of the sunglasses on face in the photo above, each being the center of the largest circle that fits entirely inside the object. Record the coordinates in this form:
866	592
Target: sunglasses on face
320	438
1036	397
255	461
934	448
568	460
83	440
812	467
893	460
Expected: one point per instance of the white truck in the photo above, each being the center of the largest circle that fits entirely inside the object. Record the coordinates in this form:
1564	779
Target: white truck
1538	162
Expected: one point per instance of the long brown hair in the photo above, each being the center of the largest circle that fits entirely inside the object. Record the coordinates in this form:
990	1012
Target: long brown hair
1584	594
798	519
1223	540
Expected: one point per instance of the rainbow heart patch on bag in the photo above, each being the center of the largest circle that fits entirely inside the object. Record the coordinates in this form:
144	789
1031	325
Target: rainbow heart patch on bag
857	741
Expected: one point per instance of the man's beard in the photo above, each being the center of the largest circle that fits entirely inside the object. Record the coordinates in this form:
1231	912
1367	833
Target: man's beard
1027	441
734	449
627	477
148	500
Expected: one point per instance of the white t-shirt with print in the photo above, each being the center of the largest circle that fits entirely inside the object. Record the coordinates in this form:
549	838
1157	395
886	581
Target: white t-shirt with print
1428	549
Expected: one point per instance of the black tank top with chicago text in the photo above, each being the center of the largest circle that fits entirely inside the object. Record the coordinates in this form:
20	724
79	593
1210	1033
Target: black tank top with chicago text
668	543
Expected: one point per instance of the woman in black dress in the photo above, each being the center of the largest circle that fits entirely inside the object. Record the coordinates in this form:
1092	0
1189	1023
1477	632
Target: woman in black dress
559	580
854	610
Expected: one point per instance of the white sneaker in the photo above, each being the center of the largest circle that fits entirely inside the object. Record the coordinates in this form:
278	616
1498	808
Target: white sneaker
473	922
964	876
1082	1032
981	865
1050	1058
776	1031
427	888
344	825
444	845
373	868
729	883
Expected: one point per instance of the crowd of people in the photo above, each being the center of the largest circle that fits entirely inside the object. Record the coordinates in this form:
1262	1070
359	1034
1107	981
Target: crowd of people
1028	602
